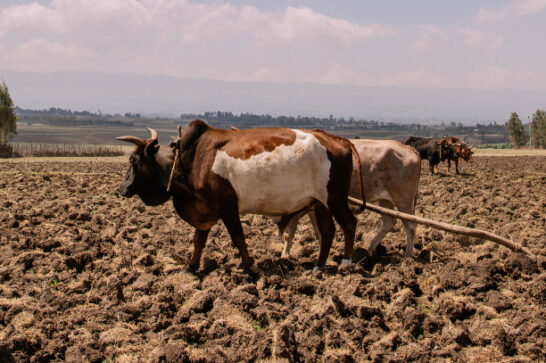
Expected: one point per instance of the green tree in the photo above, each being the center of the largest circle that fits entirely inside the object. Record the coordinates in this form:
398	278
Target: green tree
8	119
538	129
517	133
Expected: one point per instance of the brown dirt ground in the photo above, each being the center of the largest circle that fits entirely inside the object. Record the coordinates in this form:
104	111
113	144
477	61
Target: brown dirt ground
86	275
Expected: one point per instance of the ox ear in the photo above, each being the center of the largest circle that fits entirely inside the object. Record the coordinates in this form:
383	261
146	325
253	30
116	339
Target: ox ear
151	148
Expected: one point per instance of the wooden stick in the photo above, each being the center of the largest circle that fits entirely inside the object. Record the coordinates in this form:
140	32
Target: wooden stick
177	153
473	232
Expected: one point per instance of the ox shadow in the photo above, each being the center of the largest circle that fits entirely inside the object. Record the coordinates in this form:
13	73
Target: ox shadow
452	175
264	267
5	354
467	175
285	268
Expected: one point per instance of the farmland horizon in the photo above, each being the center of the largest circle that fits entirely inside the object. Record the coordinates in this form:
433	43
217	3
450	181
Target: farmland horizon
170	96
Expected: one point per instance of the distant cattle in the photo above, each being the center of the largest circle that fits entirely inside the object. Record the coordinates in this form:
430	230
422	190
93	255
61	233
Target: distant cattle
223	173
391	173
460	151
431	149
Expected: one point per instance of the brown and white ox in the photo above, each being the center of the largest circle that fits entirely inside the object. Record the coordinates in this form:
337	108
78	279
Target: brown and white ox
391	173
224	173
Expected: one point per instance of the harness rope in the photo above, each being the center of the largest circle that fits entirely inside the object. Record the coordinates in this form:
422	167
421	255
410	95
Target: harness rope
175	143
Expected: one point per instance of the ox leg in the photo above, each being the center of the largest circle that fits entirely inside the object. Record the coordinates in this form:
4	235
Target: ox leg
287	228
409	227
387	222
314	223
456	166
199	241
431	166
322	221
410	237
235	230
286	232
347	222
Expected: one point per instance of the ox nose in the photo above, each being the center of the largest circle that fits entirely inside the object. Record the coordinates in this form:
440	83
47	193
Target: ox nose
124	191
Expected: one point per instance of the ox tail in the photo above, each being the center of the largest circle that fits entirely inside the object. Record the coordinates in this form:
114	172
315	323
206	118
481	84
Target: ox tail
359	173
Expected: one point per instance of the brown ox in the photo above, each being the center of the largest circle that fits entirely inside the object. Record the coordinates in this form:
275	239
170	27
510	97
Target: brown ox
391	173
466	153
461	151
223	173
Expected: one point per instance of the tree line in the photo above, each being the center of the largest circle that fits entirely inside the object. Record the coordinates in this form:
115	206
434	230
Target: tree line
8	121
536	133
514	130
67	117
245	120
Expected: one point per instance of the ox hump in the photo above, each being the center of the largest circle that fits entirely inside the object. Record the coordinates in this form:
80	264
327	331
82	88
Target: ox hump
280	181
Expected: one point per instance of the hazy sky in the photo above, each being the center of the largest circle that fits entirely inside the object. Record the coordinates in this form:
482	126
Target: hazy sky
424	43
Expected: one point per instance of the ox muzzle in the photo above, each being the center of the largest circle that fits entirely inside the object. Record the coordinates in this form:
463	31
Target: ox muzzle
125	187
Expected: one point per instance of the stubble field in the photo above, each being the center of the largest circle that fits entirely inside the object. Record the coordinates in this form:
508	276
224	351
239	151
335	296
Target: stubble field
86	275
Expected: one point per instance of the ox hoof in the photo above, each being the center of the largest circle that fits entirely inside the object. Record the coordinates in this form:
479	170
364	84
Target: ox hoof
285	255
346	262
192	269
247	265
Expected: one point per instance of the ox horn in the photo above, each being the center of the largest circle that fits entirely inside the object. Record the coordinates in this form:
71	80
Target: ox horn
135	140
153	134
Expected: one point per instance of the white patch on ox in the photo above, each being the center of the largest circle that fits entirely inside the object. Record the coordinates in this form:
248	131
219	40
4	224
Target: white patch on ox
281	181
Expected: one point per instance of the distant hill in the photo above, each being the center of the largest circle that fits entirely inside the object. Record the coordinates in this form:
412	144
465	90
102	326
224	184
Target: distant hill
163	95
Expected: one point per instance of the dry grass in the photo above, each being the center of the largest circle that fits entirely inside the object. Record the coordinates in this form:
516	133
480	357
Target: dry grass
509	152
41	159
48	149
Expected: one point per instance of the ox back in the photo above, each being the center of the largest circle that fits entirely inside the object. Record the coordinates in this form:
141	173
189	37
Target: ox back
430	149
391	173
279	182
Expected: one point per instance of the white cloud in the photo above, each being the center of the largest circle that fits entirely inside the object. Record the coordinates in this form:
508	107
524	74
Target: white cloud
44	52
126	34
427	33
514	9
480	37
493	76
339	75
304	24
31	16
223	40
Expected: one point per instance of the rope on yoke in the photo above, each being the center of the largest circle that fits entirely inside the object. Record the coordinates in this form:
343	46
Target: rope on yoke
175	144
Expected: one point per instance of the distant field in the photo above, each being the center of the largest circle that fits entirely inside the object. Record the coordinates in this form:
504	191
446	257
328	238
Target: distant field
96	135
79	159
106	135
86	135
509	152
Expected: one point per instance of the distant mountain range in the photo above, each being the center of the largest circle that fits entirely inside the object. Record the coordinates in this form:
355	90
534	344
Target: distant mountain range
170	96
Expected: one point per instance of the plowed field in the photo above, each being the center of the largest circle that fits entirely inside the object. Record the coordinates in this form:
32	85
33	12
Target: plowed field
86	275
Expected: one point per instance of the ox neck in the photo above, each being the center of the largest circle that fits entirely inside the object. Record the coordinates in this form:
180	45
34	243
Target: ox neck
164	159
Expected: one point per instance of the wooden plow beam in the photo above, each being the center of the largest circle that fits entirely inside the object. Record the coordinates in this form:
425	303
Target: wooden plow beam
473	232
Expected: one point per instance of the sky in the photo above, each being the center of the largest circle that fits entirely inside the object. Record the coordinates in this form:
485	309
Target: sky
422	43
